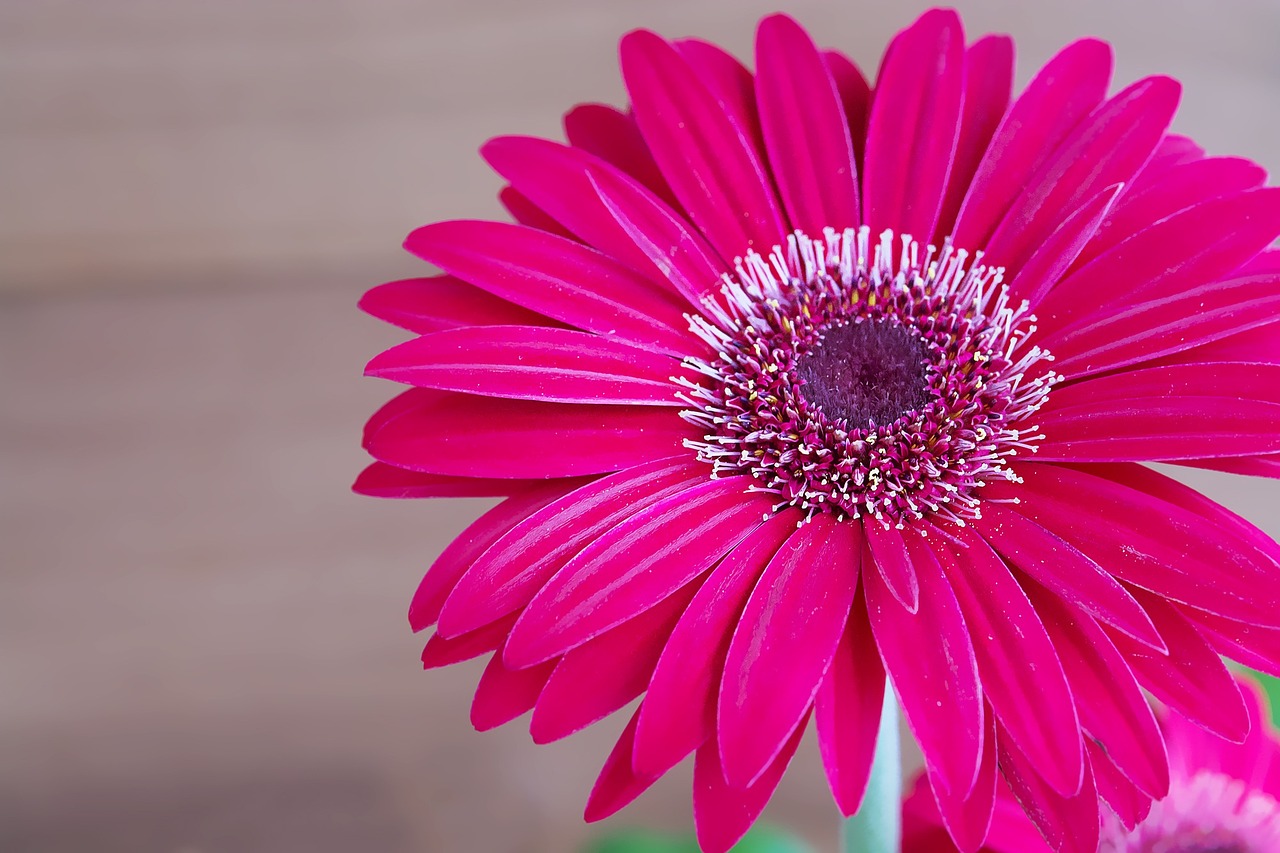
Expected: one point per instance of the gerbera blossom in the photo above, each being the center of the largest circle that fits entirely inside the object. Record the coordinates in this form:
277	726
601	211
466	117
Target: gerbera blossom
1223	798
790	383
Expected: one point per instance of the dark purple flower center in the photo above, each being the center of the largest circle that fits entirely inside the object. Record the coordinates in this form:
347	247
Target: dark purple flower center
866	373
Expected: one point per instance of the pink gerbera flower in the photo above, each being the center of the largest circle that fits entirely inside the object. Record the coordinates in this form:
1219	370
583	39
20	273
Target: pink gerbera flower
761	374
1223	798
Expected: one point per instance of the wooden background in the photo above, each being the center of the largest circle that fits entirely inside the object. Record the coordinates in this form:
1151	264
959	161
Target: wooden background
202	635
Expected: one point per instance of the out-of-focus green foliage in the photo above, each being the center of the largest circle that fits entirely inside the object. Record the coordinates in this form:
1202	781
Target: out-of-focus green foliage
762	839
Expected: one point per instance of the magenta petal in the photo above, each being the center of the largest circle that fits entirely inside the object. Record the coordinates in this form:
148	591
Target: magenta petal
1173	150
380	480
930	660
988	86
507	575
1050	260
425	305
915	120
968	819
1251	645
634	566
533	363
612	135
1107	148
730	83
504	694
805	130
679	710
855	98
784	643
445	651
1150	543
893	563
710	165
603	674
847	710
723	813
1129	803
527	213
1195	749
1022	677
617	784
454	561
1112	707
1066	90
1069	824
468	436
1072	576
563	279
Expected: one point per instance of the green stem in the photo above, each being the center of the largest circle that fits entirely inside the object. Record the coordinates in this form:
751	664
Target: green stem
877	825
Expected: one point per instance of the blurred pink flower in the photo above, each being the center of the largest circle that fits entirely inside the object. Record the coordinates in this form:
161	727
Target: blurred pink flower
1223	798
758	377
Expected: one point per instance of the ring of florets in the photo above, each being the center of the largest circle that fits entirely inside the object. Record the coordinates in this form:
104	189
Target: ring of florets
980	386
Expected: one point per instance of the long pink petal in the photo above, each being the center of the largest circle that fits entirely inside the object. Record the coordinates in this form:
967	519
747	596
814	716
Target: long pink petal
1107	148
525	212
968	819
988	87
1051	259
1129	803
462	435
617	784
929	658
1195	749
784	643
806	133
1022	677
1252	645
507	575
1069	824
723	813
710	165
533	363
1149	542
634	566
504	694
855	98
1191	678
730	83
1112	707
891	560
603	674
380	480
1066	90
446	651
847	710
915	120
612	135
1053	562
679	710
557	277
425	305
454	561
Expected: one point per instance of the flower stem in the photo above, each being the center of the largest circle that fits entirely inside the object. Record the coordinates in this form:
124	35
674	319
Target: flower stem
877	825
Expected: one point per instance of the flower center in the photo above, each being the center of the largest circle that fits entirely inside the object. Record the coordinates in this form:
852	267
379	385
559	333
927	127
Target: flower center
866	381
867	372
1208	813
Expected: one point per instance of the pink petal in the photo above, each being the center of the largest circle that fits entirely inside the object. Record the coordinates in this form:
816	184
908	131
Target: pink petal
855	98
603	674
506	576
618	785
915	119
1149	542
1174	150
1066	90
563	279
1193	749
930	660
612	135
710	165
988	86
1112	707
470	544
467	436
425	305
1070	575
891	560
527	213
533	363
1049	262
1191	679
504	694
1069	824
445	651
679	710
806	132
1252	645
968	819
723	813
380	480
1022	677
847	710
730	83
1129	803
1194	246
784	643
634	566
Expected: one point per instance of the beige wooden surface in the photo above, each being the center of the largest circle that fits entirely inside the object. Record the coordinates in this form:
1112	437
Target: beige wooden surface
202	634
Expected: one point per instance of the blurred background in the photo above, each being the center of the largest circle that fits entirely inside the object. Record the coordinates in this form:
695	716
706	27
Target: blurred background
203	644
